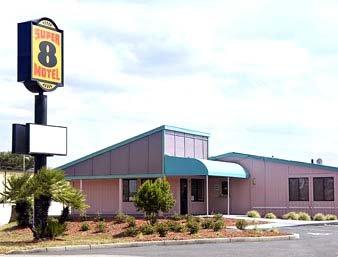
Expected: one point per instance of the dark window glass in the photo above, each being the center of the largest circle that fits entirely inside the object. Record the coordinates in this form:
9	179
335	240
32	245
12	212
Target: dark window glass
197	190
224	187
129	189
323	189
298	189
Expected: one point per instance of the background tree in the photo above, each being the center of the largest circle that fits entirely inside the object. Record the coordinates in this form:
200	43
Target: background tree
153	197
47	185
10	161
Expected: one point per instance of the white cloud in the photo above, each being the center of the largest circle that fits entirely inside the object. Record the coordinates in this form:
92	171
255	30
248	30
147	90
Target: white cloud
251	73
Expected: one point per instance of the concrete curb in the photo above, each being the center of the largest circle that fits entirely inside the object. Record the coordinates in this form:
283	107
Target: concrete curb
157	243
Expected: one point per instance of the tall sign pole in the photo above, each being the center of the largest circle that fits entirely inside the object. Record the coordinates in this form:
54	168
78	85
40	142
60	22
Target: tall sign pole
40	69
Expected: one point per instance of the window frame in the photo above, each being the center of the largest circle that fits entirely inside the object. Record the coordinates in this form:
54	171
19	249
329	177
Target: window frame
198	189
126	194
299	189
323	193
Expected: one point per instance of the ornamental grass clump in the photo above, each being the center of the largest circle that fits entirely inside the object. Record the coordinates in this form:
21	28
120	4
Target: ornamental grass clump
218	225
120	217
176	217
330	217
207	223
218	216
253	214
54	228
193	227
175	226
241	224
303	216
84	226
147	229
270	215
131	221
290	216
131	231
319	217
162	229
101	227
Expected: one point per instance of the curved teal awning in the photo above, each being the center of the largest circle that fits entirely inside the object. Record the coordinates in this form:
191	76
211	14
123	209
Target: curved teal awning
180	166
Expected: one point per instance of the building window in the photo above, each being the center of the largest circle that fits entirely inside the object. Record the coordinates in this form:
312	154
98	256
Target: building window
298	189
224	187
323	189
129	189
197	190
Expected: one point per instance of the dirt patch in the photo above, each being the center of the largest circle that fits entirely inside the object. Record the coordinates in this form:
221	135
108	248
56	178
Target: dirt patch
13	238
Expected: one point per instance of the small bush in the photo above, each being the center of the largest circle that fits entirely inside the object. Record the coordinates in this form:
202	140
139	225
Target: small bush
319	217
290	216
241	224
131	221
99	217
193	227
147	229
218	216
177	217
54	228
218	225
207	223
131	231
270	215
175	226
303	216
84	226
330	217
253	214
120	217
101	227
189	217
162	229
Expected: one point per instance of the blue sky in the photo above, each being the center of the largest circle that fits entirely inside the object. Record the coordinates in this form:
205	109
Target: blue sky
259	76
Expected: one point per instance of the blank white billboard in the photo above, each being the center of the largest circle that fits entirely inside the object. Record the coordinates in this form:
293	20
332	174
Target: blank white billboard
45	139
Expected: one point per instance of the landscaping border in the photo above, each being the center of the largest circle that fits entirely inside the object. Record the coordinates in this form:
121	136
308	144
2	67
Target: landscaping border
158	243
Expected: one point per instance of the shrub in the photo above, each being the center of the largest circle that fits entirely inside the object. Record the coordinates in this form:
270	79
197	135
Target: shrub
303	216
177	217
131	221
253	214
101	227
84	226
319	217
162	229
270	215
330	217
290	216
147	229
241	224
153	197
54	228
131	231
207	223
175	226
193	227
218	225
218	216
189	217
120	217
99	217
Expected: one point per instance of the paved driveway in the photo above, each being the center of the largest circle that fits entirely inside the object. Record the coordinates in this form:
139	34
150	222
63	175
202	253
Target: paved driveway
316	241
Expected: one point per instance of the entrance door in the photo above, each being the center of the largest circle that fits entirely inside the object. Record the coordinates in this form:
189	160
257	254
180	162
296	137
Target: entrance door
184	195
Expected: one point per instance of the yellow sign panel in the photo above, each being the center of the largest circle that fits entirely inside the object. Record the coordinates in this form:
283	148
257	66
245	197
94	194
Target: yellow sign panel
46	57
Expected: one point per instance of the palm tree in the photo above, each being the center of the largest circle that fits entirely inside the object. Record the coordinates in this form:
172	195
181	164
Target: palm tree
46	186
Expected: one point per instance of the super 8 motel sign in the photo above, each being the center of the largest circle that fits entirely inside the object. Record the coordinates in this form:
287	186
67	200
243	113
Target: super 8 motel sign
40	55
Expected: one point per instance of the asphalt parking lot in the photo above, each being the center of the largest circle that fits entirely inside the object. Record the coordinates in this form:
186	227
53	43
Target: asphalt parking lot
315	241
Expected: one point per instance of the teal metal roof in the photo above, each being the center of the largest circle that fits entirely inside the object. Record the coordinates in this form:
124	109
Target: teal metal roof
180	166
132	139
275	160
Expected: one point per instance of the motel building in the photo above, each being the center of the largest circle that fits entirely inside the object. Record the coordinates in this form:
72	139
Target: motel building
230	183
